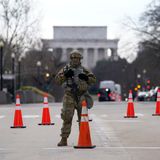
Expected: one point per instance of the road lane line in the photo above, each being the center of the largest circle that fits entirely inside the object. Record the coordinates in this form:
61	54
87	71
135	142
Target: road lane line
142	148
2	116
58	148
31	116
104	115
3	149
104	147
123	121
58	116
107	136
139	114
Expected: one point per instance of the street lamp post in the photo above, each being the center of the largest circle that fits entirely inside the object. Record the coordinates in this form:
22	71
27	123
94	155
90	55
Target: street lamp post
1	64
144	78
19	72
38	69
13	74
38	72
138	78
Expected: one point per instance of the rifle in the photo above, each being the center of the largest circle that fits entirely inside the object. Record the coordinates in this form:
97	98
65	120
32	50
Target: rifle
73	86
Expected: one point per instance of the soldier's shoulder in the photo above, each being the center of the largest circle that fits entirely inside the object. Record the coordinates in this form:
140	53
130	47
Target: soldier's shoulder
86	69
64	67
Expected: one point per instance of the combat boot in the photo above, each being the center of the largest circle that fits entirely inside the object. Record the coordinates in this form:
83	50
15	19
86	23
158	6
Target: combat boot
63	142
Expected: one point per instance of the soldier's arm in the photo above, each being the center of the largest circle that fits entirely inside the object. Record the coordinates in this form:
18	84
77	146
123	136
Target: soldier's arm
60	78
91	76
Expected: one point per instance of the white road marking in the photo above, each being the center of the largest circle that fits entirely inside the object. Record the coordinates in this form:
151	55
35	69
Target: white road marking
142	148
139	114
2	116
58	116
104	115
97	147
58	148
91	115
31	116
105	147
123	121
106	134
2	149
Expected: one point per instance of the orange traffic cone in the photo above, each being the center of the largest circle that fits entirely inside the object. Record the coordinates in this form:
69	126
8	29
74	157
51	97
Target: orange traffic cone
157	112
18	122
84	134
130	108
46	120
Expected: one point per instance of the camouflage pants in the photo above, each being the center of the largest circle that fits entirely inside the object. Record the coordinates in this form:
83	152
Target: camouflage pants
67	113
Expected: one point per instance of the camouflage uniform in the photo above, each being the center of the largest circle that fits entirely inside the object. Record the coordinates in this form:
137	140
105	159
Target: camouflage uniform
72	100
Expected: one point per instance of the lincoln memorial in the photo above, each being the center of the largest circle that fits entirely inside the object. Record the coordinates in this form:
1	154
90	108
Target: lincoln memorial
91	41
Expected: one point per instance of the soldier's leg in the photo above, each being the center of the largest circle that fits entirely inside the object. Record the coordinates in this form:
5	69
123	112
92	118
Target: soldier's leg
67	116
79	109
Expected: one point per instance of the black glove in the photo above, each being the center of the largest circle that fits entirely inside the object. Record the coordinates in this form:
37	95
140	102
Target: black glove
69	73
83	76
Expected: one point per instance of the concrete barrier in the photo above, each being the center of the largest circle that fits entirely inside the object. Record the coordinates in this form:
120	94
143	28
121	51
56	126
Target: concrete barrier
5	98
31	97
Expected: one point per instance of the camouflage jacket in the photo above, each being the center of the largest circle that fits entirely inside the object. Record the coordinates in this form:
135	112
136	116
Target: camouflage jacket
66	82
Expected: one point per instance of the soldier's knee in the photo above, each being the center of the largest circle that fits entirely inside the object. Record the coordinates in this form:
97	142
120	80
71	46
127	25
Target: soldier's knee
67	116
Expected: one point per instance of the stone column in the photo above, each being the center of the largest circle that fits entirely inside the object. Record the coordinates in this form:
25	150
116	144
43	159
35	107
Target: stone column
95	56
106	53
114	54
64	55
85	58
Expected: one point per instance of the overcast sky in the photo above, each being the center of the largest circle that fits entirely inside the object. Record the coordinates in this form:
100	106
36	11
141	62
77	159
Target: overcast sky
110	13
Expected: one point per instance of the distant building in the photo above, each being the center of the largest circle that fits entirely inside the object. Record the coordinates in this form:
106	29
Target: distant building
91	41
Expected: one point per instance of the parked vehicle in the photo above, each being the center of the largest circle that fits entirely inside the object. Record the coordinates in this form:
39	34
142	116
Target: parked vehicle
118	92
142	95
153	93
150	95
109	91
104	94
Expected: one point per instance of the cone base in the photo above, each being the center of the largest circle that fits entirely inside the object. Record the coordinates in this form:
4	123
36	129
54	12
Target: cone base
130	116
156	114
46	124
84	147
18	127
90	120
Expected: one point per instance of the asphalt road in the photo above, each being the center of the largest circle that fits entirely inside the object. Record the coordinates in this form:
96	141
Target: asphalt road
115	137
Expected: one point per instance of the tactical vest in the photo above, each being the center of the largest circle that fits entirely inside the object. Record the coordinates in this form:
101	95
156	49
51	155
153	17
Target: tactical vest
76	80
76	71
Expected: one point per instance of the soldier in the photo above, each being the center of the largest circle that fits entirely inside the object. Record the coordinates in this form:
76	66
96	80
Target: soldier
75	79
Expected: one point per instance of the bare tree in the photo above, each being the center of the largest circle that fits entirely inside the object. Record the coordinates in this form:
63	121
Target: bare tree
18	26
40	71
148	25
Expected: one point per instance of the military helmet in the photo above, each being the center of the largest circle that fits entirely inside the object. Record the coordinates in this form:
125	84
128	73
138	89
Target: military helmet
75	54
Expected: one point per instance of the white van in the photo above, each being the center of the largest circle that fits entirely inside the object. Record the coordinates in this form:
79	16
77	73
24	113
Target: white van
109	91
108	84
